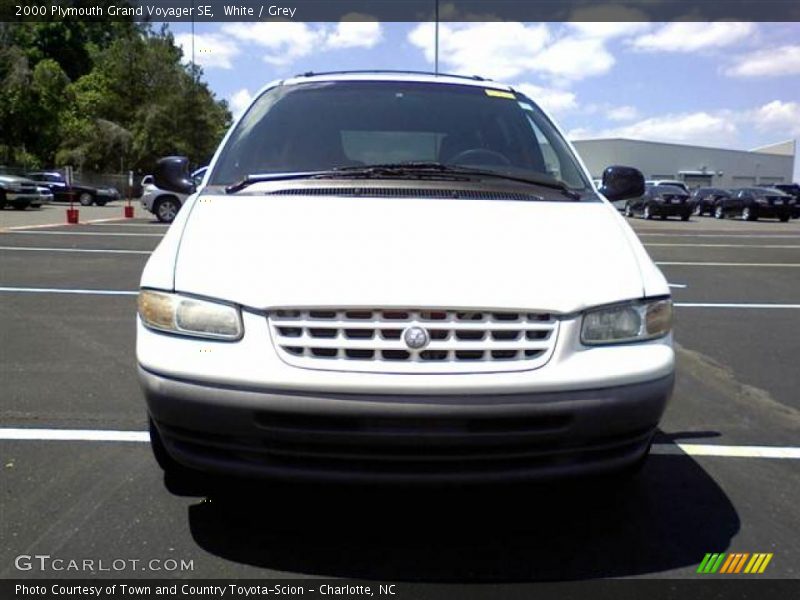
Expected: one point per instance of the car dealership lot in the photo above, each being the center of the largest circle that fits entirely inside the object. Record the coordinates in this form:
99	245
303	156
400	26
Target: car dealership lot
67	302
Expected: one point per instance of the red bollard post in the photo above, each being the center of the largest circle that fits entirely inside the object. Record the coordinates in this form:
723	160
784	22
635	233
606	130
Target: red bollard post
129	208
72	212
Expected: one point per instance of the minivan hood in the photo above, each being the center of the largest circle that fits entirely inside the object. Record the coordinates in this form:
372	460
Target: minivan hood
266	251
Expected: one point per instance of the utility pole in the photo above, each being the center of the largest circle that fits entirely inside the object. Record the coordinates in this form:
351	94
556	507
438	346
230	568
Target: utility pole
436	39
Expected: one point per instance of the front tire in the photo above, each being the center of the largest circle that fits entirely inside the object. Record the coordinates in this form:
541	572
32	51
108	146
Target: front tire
628	211
685	216
784	218
719	212
748	214
166	209
698	211
647	214
85	199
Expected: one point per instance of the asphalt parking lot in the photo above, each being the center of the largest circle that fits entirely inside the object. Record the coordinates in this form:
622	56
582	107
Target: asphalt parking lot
67	302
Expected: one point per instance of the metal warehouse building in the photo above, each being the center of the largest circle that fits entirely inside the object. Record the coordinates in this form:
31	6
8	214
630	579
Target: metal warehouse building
695	165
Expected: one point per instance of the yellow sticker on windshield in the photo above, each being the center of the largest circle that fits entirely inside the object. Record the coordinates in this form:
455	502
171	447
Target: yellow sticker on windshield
499	94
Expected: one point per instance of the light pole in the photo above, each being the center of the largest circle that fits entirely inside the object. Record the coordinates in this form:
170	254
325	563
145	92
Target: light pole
436	39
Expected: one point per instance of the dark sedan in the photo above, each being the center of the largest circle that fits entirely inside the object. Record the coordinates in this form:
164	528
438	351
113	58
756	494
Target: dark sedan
18	192
706	198
755	203
661	201
64	192
793	189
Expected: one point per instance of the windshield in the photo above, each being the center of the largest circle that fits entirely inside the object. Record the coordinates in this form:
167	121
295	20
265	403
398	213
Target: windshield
669	189
324	125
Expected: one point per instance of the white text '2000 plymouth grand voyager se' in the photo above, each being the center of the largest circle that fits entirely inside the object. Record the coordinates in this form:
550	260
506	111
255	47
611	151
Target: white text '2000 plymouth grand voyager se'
399	276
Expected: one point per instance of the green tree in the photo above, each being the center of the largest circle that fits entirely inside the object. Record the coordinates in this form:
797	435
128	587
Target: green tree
103	96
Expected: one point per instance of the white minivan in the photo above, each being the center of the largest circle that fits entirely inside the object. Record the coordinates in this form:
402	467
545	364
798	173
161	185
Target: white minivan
401	276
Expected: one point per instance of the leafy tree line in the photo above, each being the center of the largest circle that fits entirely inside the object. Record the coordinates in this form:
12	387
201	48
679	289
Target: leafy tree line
105	97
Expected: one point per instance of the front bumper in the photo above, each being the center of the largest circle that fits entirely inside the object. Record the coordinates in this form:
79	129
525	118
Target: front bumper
671	210
254	431
21	199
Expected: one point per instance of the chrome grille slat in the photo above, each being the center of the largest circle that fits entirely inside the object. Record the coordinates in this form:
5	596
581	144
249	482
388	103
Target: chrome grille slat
371	340
361	324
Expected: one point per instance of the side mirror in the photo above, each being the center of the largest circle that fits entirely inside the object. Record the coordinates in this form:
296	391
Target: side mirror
172	174
621	183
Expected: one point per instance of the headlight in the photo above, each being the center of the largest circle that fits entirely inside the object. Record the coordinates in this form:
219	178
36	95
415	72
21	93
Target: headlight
190	316
632	322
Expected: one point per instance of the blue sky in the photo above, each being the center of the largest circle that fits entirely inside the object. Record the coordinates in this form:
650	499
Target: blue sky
726	84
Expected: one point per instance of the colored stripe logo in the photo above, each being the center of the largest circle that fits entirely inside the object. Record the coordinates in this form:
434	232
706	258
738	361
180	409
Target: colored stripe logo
734	562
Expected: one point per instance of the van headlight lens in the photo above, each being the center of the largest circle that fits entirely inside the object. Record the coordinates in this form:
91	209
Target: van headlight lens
185	315
632	322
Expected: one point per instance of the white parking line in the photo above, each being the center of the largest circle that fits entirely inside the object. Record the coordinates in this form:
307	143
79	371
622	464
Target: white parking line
731	305
724	264
73	435
720	235
60	224
105	435
771	246
677	285
159	225
27	290
96	233
727	451
12	248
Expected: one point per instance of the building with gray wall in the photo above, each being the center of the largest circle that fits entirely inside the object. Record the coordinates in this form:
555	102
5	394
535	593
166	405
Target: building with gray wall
695	165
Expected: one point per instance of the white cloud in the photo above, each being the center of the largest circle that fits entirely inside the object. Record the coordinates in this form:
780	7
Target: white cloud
573	58
769	62
777	116
622	113
355	34
706	128
607	30
211	50
702	128
285	41
504	50
693	36
288	42
240	101
497	49
553	100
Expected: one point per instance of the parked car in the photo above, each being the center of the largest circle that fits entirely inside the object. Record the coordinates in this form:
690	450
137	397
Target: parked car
77	192
45	196
17	192
793	189
755	203
165	204
706	198
382	279
661	201
673	182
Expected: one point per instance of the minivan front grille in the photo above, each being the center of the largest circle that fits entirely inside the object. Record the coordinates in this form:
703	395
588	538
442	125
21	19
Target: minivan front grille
375	340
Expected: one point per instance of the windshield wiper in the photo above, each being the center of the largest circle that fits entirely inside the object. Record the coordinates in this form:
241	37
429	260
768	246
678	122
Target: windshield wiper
262	177
404	169
422	168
